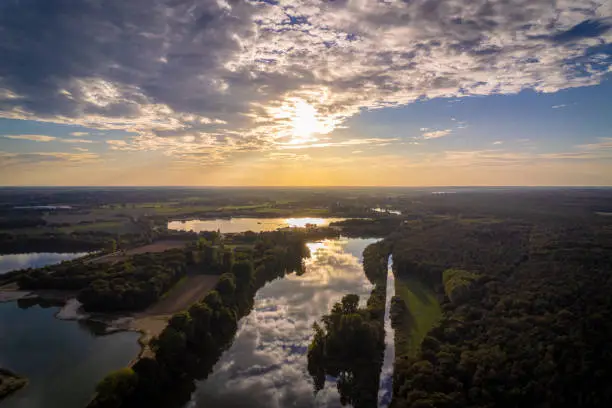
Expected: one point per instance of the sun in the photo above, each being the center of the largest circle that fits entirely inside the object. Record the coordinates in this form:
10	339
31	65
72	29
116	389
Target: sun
304	120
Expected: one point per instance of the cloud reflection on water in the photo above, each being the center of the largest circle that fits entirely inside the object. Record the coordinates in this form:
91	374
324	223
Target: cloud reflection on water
13	262
267	366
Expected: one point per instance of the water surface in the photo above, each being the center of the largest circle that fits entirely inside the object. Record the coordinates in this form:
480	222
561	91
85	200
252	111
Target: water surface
234	225
266	366
385	392
63	360
14	262
386	211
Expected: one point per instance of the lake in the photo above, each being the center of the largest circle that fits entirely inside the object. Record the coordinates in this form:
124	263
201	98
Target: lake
386	211
266	366
235	225
14	262
63	360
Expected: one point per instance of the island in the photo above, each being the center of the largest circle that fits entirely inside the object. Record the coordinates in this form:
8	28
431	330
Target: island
10	382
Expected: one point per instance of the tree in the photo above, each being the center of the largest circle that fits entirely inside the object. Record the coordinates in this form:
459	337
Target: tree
228	260
116	386
244	273
226	286
170	349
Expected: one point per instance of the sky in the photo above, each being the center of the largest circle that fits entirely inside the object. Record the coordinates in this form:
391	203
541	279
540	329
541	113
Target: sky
306	92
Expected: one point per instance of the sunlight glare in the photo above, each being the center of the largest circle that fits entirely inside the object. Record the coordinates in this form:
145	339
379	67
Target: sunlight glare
304	121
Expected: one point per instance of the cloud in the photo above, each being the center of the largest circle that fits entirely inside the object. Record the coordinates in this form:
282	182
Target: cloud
496	157
80	149
288	156
559	106
605	143
118	144
78	134
436	134
349	142
498	142
238	70
33	138
75	141
8	159
45	138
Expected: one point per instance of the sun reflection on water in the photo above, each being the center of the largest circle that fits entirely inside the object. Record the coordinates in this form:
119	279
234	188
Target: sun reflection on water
303	222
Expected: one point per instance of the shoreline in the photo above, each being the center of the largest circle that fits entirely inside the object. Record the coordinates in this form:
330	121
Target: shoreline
148	324
15	383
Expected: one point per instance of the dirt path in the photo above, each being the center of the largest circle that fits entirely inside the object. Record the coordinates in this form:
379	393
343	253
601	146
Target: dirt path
154	320
186	292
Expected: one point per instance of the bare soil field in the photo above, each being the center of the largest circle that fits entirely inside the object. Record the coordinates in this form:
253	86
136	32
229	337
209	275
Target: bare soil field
159	246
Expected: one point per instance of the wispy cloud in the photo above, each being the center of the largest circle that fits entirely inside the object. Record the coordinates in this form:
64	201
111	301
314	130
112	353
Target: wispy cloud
117	144
33	138
13	159
498	142
79	134
605	143
350	142
76	141
559	106
288	156
436	134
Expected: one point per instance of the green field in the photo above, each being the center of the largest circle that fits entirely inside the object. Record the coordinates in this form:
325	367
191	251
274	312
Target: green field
424	310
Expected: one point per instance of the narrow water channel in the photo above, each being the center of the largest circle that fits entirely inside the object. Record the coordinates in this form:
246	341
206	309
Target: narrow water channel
266	366
385	392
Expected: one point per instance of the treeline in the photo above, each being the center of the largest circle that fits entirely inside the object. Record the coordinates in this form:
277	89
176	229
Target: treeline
350	343
366	227
194	339
53	242
533	327
426	249
16	221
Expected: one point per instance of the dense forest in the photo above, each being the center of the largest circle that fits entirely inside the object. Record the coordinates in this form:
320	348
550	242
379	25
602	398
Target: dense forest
17	242
526	313
502	296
